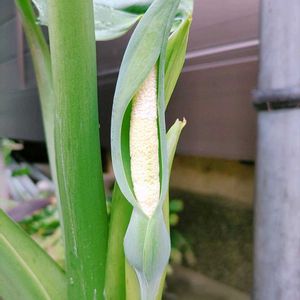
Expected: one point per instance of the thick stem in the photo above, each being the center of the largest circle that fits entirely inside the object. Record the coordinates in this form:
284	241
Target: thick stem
77	146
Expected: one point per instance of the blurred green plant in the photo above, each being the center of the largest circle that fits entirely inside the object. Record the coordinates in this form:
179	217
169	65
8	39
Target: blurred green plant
44	222
6	148
181	250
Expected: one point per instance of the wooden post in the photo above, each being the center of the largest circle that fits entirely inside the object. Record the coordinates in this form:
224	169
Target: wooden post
277	206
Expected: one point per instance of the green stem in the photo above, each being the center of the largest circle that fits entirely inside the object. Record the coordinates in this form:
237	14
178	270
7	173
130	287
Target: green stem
42	66
121	210
77	144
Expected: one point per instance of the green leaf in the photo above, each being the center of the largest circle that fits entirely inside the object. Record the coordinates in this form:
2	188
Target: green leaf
111	23
42	66
26	271
115	18
175	56
173	138
141	5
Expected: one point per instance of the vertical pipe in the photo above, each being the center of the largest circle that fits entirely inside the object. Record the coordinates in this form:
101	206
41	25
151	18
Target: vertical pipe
277	207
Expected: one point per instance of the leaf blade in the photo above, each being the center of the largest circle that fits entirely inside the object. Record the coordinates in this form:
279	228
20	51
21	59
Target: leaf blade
25	263
173	136
111	23
115	18
175	57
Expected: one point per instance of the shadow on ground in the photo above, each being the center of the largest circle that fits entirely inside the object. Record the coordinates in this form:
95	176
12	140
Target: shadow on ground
220	233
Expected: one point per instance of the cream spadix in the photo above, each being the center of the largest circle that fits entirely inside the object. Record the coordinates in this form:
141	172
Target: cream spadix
144	145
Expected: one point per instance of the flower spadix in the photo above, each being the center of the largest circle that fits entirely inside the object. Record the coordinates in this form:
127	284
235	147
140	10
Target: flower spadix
144	145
